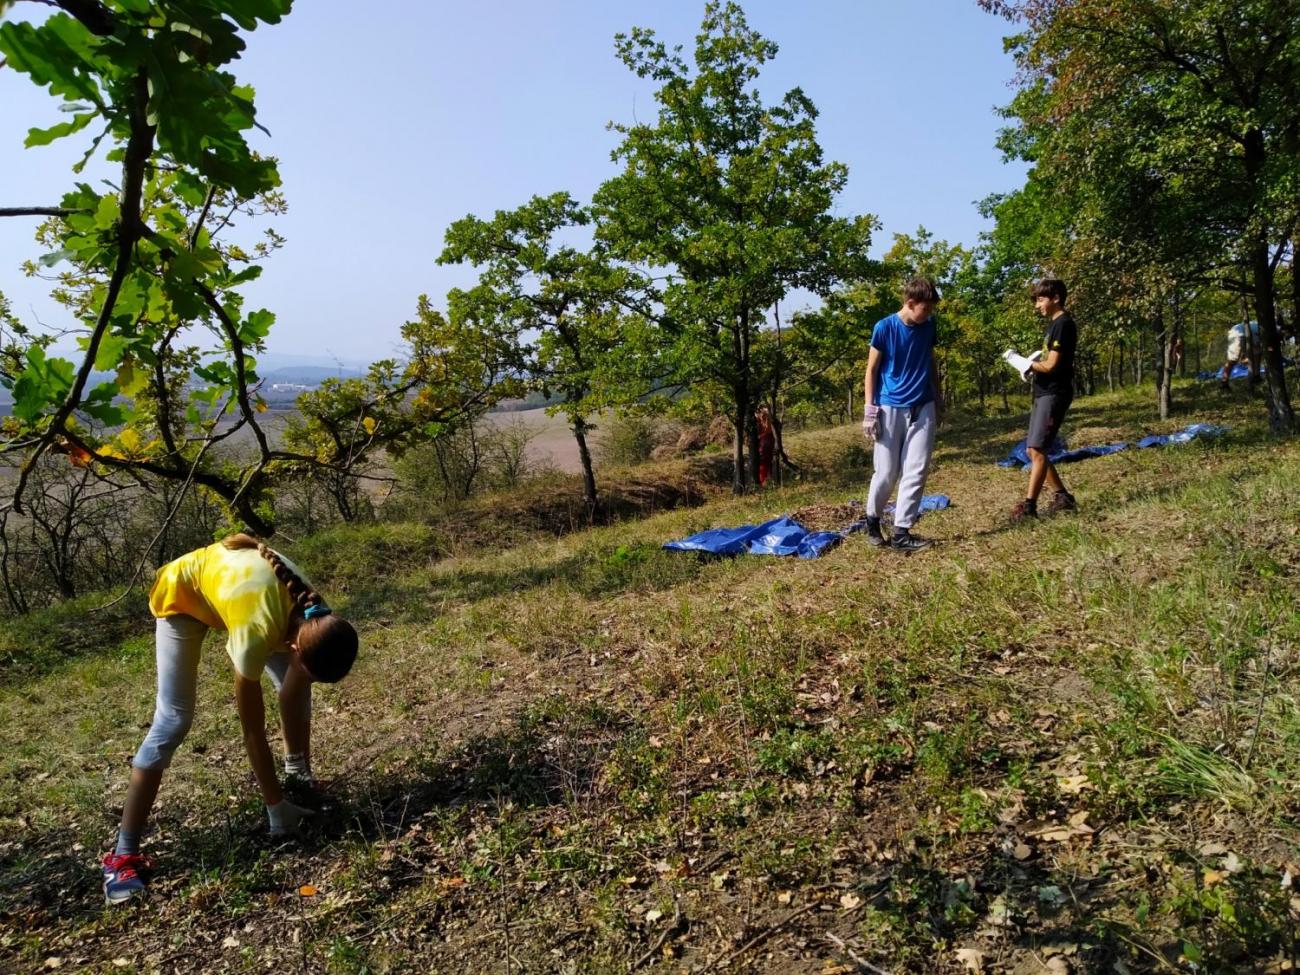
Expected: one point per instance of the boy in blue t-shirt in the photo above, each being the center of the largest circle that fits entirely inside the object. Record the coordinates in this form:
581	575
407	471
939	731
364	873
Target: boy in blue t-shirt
903	404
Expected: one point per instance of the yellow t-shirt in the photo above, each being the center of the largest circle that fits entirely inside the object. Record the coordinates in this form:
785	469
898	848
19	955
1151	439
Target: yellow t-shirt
232	590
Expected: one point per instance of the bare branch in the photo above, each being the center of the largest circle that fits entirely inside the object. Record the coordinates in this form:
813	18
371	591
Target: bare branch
40	211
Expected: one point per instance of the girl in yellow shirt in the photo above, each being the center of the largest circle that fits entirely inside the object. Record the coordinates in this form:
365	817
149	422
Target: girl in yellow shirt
275	622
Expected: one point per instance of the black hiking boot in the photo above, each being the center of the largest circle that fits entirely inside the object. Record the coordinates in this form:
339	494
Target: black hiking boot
874	537
904	541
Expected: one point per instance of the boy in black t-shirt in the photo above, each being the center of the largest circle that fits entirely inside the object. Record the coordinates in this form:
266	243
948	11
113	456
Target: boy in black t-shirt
1053	381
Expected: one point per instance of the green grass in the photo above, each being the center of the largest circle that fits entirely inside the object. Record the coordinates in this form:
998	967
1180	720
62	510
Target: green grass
1082	734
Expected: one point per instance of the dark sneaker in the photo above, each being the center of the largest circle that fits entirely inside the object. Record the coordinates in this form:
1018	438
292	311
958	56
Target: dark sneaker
122	876
905	541
1224	387
1062	501
1024	511
874	537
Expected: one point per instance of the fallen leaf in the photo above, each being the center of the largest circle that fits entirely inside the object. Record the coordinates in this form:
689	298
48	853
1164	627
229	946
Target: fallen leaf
307	890
1022	851
1072	785
1232	863
1212	877
652	916
972	959
1212	849
784	897
54	961
1056	835
230	942
850	900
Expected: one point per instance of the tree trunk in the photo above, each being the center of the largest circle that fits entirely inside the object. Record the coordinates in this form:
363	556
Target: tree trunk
579	427
738	444
1281	417
1164	361
1295	288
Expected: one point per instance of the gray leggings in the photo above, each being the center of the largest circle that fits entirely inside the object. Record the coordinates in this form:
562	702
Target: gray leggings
177	645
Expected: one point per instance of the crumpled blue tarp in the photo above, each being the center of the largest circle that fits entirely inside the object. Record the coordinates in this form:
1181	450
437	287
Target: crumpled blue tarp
1182	436
1019	457
780	536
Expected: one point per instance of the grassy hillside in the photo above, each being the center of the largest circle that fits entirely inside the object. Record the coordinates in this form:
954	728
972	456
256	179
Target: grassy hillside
1067	747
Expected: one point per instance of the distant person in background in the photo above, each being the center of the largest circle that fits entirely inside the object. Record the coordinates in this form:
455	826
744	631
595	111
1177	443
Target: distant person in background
1239	346
275	623
766	444
1177	352
1053	388
901	415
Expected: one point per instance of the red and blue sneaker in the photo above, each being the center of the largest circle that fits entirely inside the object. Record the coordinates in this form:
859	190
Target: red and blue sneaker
123	878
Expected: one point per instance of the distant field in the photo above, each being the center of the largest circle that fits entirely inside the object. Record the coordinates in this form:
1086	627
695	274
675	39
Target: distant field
553	445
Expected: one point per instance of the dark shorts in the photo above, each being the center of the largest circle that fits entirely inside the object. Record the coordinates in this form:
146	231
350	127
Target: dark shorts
1045	420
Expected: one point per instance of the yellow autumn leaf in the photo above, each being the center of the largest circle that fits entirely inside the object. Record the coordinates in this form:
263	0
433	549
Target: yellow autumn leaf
370	424
130	441
307	890
260	405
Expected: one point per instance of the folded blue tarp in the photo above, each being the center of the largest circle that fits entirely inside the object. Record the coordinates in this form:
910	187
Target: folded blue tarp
780	536
931	502
1019	457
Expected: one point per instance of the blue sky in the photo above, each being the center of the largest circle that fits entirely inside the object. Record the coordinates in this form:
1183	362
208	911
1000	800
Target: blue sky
392	124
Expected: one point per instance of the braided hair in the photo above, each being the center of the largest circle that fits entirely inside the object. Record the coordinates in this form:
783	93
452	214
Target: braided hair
327	643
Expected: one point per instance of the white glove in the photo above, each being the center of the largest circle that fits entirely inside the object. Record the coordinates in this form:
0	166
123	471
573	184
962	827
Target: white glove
871	422
286	818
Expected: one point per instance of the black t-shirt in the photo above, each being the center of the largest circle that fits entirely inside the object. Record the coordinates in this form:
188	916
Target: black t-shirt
1062	337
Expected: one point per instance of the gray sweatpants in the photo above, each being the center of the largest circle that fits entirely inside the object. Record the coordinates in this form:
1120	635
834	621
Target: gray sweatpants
902	456
178	642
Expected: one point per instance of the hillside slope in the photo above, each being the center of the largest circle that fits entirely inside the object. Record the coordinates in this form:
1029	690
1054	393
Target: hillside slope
1067	747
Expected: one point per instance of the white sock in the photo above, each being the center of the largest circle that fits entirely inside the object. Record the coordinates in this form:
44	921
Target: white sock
296	766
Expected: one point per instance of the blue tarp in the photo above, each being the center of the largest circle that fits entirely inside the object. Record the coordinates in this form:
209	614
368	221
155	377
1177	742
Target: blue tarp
1182	436
780	536
931	502
1239	371
1060	454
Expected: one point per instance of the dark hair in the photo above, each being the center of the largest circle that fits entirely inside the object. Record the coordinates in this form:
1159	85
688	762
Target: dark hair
327	643
920	289
1053	288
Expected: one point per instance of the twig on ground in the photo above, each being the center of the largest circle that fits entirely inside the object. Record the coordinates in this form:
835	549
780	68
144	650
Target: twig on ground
857	959
762	936
674	925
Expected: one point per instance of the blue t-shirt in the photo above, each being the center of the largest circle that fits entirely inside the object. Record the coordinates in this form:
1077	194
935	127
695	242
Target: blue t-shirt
906	376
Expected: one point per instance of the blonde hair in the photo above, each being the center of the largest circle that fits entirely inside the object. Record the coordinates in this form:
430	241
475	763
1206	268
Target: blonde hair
327	643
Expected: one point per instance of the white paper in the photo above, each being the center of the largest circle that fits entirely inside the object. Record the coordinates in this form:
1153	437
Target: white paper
1019	362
